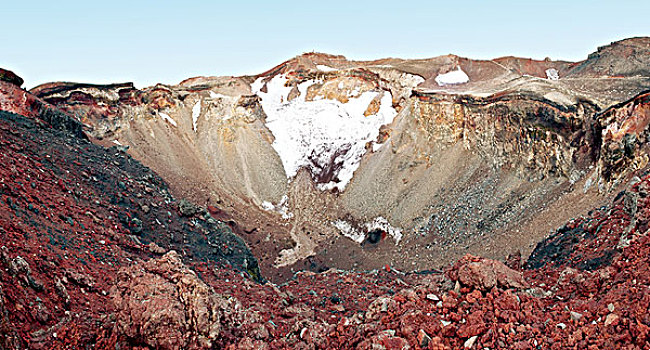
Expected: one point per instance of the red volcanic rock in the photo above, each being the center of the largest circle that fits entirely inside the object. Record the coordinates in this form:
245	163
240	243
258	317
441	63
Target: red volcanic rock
485	274
16	100
380	306
10	77
164	304
66	207
384	341
8	337
423	339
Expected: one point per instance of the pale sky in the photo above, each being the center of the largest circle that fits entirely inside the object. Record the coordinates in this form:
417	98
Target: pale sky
151	41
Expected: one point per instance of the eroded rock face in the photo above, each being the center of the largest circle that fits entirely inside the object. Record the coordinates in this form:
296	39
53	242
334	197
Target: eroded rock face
537	137
625	134
100	107
163	304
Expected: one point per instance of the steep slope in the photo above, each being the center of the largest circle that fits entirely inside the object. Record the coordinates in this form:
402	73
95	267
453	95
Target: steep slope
71	215
320	155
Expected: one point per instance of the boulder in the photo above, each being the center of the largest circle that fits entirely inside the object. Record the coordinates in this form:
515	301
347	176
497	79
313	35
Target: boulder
484	274
187	208
163	304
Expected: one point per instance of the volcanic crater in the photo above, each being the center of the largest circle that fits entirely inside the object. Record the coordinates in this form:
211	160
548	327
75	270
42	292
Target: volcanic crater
439	203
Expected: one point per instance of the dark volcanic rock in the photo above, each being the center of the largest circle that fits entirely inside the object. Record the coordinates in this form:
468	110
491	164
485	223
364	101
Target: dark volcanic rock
11	77
188	208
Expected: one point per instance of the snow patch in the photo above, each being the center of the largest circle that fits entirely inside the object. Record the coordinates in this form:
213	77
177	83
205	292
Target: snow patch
552	74
325	68
348	231
281	208
217	95
451	78
357	235
559	97
355	92
196	113
167	118
325	136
